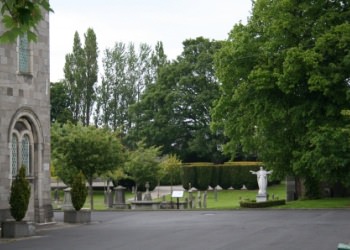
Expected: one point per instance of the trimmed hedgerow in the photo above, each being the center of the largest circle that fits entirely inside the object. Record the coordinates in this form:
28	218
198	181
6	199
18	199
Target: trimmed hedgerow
215	176
254	204
230	174
203	177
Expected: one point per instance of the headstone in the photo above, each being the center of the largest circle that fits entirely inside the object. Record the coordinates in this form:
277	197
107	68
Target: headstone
109	198
190	199
199	199
205	200
67	200
147	196
139	196
119	198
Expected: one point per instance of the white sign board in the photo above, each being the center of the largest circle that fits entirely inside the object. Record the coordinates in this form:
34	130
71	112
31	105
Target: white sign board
177	194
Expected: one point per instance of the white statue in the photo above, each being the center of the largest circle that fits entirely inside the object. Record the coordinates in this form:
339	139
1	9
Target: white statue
262	179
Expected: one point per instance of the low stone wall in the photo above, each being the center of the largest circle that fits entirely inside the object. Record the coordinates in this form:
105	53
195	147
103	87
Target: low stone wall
145	205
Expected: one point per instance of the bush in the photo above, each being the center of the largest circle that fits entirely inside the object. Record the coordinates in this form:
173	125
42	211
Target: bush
254	204
79	191
20	195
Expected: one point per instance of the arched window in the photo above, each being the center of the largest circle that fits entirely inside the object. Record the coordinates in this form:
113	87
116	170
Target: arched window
21	148
26	153
14	155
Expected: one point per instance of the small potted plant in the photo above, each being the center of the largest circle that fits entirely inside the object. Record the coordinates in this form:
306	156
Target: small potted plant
78	194
19	200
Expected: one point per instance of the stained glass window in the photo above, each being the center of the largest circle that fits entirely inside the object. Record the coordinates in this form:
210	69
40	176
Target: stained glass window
23	54
26	153
14	155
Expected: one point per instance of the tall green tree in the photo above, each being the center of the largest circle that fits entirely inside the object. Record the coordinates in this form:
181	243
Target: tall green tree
176	109
285	83
90	74
88	149
81	71
74	77
127	72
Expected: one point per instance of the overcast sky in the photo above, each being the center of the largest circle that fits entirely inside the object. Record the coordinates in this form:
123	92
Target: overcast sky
140	21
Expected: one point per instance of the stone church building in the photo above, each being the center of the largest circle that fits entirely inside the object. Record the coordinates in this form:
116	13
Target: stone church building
25	121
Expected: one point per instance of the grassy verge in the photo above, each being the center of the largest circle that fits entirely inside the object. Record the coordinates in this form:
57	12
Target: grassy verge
230	199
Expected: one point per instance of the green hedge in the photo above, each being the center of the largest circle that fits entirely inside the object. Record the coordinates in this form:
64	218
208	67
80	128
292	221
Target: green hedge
253	204
201	175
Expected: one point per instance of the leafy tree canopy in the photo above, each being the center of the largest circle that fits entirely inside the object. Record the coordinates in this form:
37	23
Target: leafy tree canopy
175	111
88	149
143	165
285	85
21	17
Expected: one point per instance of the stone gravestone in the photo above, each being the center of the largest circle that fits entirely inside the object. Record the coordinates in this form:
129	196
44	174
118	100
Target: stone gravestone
67	200
139	196
120	198
148	196
205	199
190	199
199	199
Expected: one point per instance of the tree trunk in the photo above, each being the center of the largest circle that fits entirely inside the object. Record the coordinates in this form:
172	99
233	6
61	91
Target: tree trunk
91	194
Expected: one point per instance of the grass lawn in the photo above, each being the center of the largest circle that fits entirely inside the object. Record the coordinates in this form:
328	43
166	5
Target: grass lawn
229	199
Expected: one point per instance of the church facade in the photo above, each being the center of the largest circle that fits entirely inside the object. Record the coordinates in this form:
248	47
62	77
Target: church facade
25	121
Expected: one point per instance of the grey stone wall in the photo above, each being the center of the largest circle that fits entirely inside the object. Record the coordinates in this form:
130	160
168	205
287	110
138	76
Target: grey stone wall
26	95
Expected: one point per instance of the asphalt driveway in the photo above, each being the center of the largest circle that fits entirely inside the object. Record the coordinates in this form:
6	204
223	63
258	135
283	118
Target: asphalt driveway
205	230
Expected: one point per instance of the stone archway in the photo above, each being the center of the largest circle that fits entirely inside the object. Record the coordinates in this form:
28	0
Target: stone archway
25	139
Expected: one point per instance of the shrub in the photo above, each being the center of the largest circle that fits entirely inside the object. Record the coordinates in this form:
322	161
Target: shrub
20	195
254	204
79	191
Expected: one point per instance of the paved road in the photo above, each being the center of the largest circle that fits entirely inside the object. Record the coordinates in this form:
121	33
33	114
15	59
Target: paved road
204	230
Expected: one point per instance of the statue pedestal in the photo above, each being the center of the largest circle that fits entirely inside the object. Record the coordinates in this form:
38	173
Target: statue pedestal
261	198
